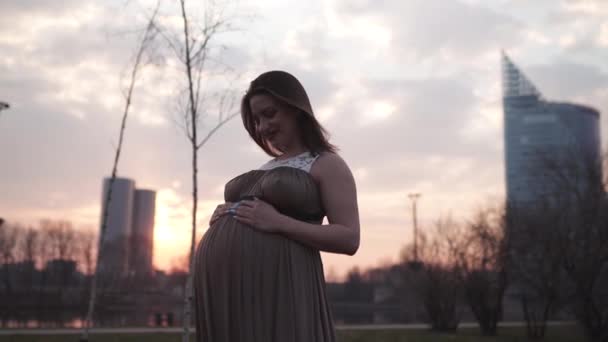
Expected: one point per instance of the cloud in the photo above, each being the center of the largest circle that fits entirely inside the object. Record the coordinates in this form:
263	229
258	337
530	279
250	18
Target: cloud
431	29
409	90
12	9
566	79
596	8
427	118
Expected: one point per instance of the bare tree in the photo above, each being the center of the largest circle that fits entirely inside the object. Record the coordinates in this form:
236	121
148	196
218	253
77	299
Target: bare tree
193	49
482	267
582	234
45	254
436	281
145	42
60	235
29	246
8	242
86	248
60	238
536	259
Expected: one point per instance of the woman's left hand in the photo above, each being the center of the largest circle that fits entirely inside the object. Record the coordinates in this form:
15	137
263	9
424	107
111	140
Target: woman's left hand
260	215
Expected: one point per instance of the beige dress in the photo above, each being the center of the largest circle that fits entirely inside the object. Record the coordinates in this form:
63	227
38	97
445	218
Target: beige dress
259	287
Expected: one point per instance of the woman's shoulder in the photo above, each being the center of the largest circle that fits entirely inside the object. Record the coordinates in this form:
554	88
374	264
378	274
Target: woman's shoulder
330	158
329	162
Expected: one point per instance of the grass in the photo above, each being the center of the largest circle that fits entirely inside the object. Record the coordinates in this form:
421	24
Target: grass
554	334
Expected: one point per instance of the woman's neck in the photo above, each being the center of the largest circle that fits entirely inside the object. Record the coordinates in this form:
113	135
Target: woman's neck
292	152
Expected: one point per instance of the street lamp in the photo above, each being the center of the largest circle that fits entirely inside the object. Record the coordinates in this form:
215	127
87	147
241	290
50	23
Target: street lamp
3	106
415	264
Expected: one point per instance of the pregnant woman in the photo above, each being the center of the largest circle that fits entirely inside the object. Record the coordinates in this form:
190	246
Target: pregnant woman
258	273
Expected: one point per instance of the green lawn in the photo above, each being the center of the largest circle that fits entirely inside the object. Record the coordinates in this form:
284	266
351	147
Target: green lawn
555	334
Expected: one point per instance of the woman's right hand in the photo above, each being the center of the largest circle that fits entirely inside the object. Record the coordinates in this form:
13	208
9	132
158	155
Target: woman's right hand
220	211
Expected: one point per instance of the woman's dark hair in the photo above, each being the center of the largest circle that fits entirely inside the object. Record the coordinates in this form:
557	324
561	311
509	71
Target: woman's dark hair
287	90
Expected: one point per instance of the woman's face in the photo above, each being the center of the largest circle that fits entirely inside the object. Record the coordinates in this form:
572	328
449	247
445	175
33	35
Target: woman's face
275	121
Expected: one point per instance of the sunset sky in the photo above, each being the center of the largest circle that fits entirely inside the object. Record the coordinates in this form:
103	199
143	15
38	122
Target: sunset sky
409	89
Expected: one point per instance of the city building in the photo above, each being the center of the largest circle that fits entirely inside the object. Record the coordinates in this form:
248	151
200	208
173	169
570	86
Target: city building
128	242
142	235
540	134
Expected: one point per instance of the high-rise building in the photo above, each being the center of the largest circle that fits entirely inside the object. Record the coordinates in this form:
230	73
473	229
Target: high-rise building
115	260
537	131
128	241
142	236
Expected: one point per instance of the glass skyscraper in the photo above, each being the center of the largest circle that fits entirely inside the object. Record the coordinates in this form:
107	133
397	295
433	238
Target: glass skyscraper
540	134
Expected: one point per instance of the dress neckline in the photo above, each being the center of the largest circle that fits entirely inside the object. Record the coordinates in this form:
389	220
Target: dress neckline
264	172
292	157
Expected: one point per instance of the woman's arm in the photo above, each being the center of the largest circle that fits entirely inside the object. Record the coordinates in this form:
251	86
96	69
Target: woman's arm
339	198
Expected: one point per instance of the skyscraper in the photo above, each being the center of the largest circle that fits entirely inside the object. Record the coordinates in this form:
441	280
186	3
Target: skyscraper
115	262
537	130
142	236
128	242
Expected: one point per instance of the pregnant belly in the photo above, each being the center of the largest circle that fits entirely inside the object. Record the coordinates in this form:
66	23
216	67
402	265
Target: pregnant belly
229	248
259	282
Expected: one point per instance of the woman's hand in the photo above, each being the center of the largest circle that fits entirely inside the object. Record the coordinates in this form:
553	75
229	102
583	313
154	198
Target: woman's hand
220	211
260	215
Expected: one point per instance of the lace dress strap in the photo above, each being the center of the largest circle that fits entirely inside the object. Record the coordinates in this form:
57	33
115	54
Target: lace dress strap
302	161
